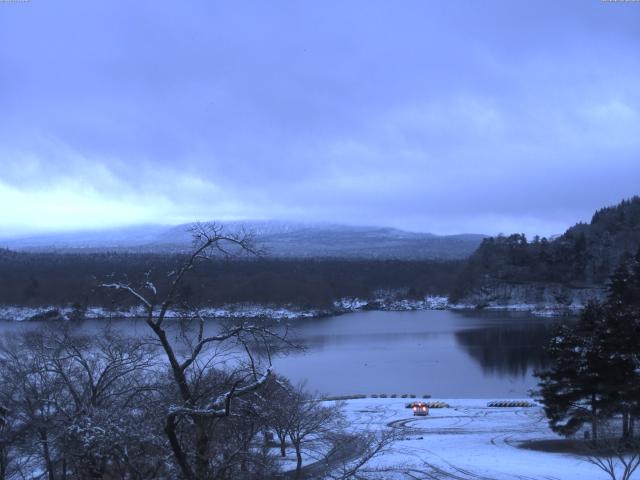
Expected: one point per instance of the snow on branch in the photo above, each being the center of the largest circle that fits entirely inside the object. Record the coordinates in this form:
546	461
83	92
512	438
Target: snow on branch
151	286
129	289
221	405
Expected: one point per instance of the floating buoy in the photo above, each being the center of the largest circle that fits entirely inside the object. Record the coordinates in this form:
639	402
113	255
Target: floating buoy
510	404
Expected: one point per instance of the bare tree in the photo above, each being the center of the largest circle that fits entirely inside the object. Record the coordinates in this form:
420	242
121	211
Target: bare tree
76	403
8	437
106	378
619	459
278	410
29	396
188	422
317	427
311	423
355	452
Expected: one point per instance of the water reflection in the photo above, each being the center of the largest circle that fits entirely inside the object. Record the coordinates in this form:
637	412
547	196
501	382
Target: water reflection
513	350
445	353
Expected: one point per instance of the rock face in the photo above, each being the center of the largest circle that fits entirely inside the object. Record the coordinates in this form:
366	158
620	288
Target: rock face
532	296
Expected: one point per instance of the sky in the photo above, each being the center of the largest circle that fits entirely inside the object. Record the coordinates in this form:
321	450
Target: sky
436	116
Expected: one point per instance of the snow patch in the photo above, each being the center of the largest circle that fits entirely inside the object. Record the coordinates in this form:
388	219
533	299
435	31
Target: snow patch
240	311
467	440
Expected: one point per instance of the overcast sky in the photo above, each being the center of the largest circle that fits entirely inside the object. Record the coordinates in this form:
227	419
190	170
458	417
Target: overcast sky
439	116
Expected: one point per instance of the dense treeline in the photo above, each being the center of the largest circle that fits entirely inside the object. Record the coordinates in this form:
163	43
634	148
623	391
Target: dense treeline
585	254
38	279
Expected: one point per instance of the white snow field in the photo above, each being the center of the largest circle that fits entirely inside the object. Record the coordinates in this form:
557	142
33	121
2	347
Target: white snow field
468	441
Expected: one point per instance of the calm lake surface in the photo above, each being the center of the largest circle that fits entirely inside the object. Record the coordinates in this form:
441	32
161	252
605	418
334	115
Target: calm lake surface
447	354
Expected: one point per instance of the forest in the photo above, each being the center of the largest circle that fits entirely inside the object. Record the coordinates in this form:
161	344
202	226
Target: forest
586	254
42	279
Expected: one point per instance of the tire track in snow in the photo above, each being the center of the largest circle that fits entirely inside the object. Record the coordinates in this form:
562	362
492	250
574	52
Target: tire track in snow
464	424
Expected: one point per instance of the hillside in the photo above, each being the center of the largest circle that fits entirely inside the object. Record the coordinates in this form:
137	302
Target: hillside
575	264
278	239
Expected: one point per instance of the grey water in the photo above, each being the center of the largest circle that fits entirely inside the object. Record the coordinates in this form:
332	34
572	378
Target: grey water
443	353
447	354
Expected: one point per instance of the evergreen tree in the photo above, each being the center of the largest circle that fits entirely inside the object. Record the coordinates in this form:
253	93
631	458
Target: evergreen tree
621	338
573	390
596	364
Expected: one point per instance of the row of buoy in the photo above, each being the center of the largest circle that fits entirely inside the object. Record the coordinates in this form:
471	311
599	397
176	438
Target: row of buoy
343	397
379	395
438	405
395	395
510	403
428	404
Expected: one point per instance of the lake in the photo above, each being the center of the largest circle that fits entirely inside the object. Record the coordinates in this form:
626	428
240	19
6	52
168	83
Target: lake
444	353
449	354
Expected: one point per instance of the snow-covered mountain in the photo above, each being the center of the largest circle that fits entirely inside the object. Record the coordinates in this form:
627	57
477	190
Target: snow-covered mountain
277	238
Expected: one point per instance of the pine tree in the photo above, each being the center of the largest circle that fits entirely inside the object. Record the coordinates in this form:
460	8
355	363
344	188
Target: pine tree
572	391
596	364
621	338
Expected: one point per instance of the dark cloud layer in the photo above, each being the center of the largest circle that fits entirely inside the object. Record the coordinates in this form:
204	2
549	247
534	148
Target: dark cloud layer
435	116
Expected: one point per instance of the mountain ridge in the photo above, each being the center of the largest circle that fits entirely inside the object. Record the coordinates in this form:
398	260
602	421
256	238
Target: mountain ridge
279	239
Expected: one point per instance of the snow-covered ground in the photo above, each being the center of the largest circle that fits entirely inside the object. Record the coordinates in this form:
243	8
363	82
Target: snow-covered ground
468	441
386	301
246	311
391	301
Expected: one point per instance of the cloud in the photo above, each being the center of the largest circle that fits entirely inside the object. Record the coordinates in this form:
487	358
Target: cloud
441	117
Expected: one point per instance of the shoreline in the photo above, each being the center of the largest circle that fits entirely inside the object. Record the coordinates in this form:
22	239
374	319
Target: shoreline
19	313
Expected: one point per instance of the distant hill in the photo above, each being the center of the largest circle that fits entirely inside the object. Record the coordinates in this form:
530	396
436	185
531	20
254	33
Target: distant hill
87	240
583	257
279	239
